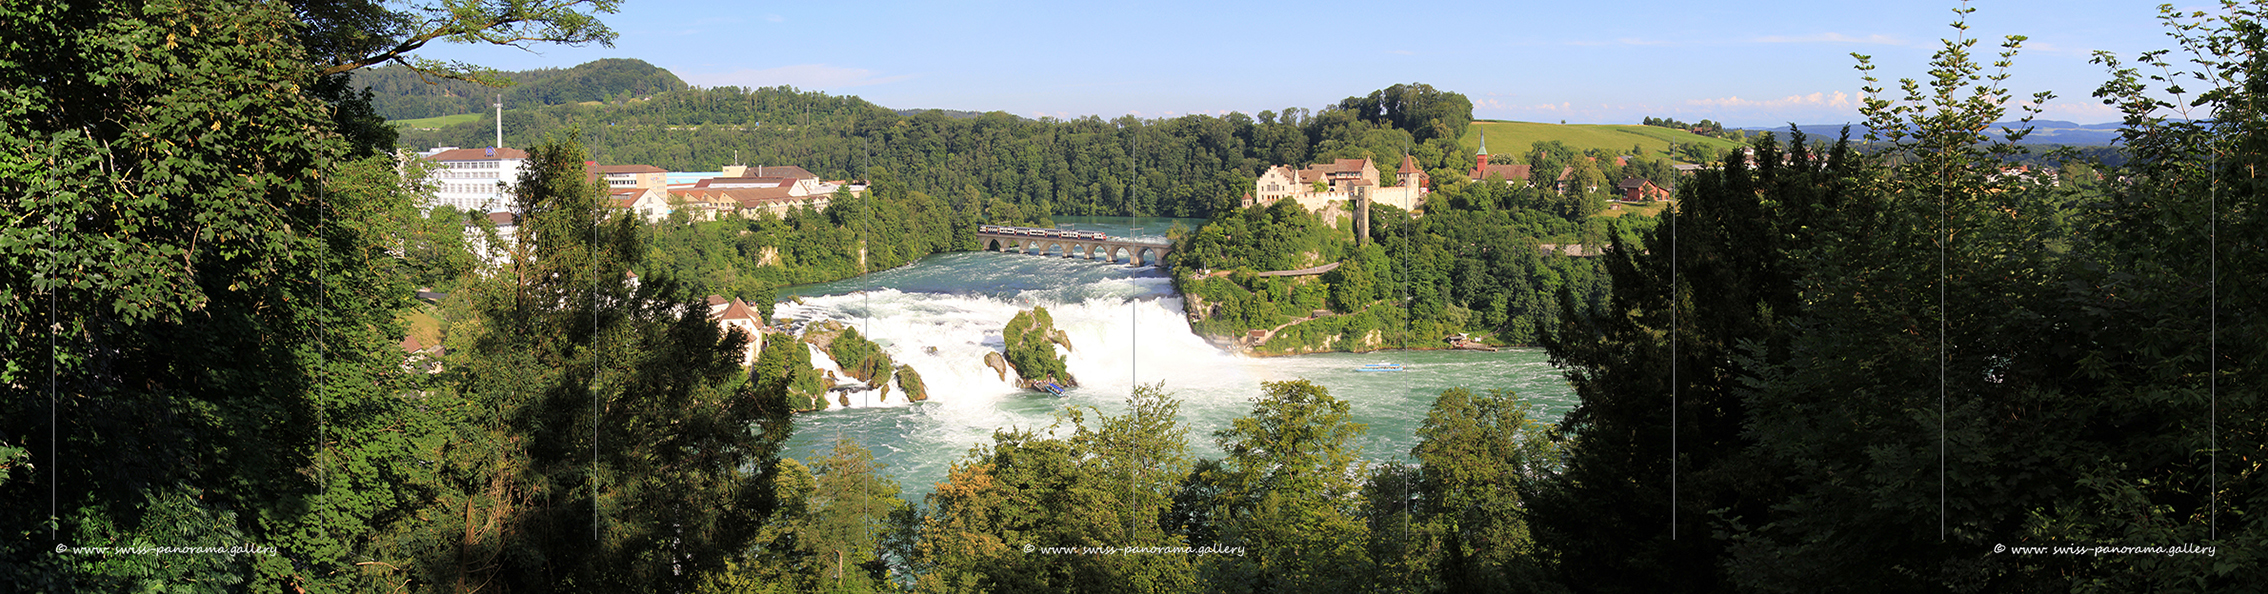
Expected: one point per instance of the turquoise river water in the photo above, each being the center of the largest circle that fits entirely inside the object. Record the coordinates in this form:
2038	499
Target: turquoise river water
943	313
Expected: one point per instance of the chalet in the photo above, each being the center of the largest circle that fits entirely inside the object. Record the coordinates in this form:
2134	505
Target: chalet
1639	189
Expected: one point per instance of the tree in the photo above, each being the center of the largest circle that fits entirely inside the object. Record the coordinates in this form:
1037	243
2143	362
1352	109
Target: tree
827	534
1731	285
200	233
353	34
616	429
1477	454
1108	485
1286	492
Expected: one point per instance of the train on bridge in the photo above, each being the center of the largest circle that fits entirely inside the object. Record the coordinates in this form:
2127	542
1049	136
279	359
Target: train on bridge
1053	233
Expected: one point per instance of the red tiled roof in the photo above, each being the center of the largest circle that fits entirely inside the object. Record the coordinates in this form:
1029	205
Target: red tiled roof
478	154
745	196
738	310
1409	165
1511	173
767	181
502	218
716	300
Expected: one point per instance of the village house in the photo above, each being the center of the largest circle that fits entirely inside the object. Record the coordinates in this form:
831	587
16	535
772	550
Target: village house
651	204
1639	189
734	314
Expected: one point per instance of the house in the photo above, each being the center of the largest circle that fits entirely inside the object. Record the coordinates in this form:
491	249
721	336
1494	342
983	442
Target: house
619	177
1639	189
1482	169
1566	179
507	234
650	203
709	204
735	314
475	180
418	357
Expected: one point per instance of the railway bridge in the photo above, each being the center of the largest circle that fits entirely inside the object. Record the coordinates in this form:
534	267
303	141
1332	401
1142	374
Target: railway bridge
1091	245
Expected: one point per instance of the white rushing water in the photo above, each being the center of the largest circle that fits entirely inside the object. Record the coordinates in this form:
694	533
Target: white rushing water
942	315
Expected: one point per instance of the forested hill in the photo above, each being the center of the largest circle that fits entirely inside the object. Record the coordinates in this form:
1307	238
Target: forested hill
399	93
1024	169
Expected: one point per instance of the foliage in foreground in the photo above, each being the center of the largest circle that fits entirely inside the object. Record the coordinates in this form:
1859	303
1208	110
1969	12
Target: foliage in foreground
1898	375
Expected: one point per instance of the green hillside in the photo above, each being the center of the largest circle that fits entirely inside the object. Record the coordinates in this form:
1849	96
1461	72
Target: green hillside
1514	138
438	122
401	94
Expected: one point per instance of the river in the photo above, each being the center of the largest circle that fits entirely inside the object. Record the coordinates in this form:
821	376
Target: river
942	313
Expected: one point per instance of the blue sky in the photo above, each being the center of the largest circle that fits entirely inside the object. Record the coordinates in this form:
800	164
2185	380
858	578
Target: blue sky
1606	61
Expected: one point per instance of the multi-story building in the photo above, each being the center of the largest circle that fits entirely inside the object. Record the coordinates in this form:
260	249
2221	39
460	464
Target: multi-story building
624	177
475	180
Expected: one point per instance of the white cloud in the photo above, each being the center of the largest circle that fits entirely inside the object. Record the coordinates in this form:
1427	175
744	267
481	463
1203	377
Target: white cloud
1829	38
803	76
1837	100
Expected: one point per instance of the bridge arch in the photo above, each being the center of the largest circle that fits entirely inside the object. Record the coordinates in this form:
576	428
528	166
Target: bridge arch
1071	244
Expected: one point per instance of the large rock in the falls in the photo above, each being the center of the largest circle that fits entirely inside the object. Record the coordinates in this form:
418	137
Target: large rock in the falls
1030	340
998	364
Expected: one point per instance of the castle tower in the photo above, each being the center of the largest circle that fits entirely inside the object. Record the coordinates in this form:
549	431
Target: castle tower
1361	215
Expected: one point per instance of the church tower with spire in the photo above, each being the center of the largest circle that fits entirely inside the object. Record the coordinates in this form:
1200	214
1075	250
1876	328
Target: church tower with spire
1482	164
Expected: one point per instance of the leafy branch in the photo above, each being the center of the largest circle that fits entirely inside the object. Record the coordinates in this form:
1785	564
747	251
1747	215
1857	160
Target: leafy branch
514	23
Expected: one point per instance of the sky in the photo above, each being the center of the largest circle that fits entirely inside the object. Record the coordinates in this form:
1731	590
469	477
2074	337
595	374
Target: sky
1753	64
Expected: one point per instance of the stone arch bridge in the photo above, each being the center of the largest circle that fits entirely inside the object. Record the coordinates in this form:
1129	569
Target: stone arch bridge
1091	245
